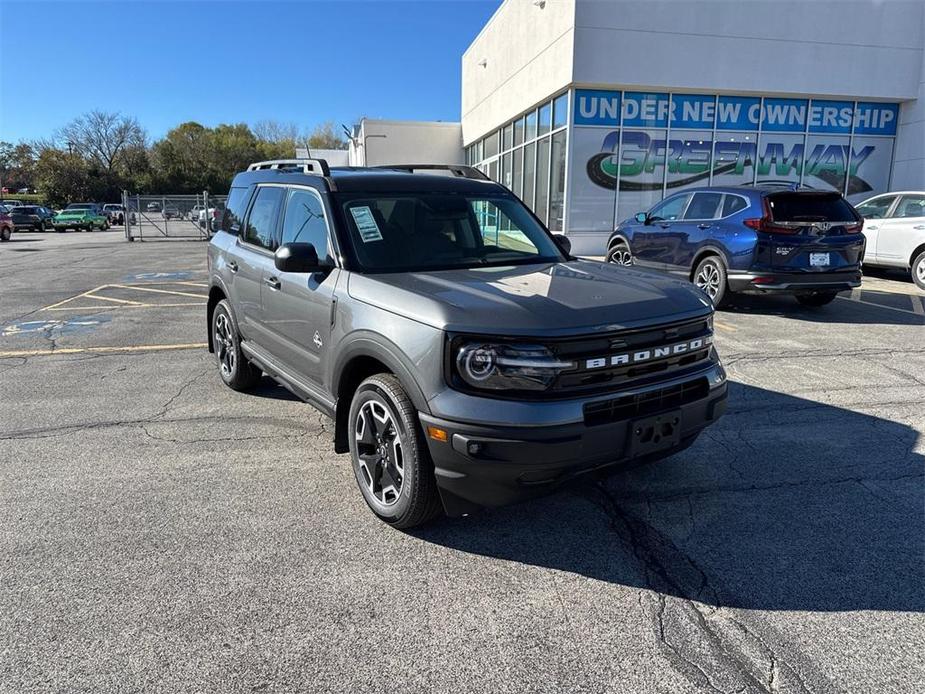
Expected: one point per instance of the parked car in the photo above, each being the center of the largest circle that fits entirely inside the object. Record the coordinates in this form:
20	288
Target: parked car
117	214
6	225
80	218
466	358
895	229
749	239
32	217
11	203
201	215
153	207
171	212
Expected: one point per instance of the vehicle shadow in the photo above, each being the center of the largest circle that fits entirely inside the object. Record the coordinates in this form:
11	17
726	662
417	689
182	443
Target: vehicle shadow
785	504
879	308
268	388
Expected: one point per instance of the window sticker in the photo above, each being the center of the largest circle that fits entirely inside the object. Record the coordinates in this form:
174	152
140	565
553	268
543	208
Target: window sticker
366	223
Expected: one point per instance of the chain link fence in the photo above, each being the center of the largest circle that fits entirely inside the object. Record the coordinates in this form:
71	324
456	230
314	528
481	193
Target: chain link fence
159	217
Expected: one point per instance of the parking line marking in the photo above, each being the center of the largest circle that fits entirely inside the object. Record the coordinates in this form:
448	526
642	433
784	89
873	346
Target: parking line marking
113	299
889	308
159	291
723	326
111	308
98	350
89	291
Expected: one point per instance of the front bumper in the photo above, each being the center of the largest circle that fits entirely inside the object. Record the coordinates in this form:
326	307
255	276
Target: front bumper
793	282
484	465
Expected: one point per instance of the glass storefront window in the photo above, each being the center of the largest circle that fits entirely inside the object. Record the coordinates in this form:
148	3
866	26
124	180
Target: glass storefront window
780	157
545	119
530	131
826	162
560	111
869	166
493	170
507	137
491	145
689	158
518	131
529	171
734	158
641	170
517	168
557	182
507	176
542	177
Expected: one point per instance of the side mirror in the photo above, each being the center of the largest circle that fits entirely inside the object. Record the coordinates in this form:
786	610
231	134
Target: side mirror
298	257
642	218
563	242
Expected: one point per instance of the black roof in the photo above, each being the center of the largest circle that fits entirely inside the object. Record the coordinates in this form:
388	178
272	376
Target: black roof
353	179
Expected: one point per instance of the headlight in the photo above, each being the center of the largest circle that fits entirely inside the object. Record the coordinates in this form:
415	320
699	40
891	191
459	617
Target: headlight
508	366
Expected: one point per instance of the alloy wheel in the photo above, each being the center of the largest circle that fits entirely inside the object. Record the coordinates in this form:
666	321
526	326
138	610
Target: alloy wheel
920	271
708	280
380	452
621	256
224	345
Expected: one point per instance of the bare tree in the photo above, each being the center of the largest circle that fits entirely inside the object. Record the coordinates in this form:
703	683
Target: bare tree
274	131
102	137
326	136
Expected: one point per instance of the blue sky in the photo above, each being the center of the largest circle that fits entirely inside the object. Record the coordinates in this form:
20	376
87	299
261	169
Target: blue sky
219	62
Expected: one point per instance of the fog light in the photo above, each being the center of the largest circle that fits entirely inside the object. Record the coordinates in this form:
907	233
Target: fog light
437	434
474	448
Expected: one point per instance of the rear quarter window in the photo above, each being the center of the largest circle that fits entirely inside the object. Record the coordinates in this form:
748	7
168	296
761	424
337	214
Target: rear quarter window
235	208
811	207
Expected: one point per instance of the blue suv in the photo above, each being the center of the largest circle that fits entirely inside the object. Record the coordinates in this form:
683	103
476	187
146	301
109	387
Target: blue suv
749	239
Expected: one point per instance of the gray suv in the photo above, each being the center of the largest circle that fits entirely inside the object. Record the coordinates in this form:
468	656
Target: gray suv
466	358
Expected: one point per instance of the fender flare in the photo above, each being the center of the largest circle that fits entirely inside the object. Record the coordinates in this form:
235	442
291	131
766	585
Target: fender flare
216	282
703	252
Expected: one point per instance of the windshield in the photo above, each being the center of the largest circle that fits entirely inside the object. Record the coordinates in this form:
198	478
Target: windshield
432	231
27	210
79	206
74	210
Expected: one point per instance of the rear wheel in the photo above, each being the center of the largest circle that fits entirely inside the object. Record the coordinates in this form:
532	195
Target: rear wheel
918	270
390	458
817	299
710	276
620	254
234	368
42	226
5	233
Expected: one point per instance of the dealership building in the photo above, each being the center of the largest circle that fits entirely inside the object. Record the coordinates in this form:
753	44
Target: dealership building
593	110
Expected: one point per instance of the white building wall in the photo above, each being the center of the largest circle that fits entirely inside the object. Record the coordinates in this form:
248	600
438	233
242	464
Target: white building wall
384	142
860	49
909	155
527	51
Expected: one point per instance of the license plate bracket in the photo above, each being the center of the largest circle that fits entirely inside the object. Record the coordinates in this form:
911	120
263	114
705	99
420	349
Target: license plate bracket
655	433
820	259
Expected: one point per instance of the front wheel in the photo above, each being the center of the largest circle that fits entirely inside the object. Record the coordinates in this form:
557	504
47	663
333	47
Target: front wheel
918	270
818	299
42	227
710	276
390	458
620	254
5	233
234	368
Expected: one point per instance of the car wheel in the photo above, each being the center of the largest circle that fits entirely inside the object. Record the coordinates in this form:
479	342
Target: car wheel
620	254
710	276
234	368
817	299
5	233
390	458
918	270
42	227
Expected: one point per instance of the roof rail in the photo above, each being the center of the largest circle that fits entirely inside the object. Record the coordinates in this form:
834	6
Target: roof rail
309	166
459	170
783	185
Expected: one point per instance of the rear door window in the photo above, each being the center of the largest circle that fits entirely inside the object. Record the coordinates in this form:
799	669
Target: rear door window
704	206
810	207
260	228
910	206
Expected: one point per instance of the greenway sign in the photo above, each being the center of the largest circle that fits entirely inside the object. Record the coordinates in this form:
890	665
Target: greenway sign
704	112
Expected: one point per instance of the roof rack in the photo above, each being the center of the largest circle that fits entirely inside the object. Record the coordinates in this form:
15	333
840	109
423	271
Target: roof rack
309	166
456	169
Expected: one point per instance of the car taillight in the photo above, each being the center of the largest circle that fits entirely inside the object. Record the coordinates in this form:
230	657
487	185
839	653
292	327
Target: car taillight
766	223
854	228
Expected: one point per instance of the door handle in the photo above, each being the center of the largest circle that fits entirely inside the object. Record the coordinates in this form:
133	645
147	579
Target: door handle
233	266
704	226
919	227
272	282
873	228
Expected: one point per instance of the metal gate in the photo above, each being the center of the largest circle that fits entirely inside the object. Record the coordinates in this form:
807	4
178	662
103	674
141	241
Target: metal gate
157	217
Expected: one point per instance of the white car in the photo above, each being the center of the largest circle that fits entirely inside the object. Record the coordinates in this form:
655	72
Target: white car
894	224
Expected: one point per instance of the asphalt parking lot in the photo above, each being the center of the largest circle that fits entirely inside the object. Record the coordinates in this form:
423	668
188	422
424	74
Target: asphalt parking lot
159	532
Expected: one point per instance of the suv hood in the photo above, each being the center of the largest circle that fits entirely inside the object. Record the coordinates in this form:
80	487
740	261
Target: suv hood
547	299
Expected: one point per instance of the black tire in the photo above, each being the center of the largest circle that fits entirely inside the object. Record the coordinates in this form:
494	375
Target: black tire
918	270
233	367
42	227
620	254
5	234
710	276
392	452
817	299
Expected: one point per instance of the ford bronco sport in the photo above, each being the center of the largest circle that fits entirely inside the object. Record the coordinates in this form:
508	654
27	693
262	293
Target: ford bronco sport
466	358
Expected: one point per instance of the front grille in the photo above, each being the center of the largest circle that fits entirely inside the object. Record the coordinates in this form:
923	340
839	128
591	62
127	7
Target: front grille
645	404
596	369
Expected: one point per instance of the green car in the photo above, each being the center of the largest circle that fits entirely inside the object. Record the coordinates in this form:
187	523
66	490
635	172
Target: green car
86	218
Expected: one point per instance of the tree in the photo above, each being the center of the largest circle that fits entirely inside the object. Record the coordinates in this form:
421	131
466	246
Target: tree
326	136
103	138
66	177
17	165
